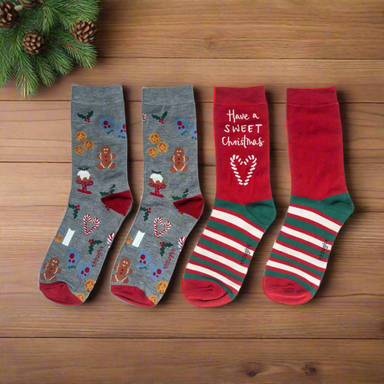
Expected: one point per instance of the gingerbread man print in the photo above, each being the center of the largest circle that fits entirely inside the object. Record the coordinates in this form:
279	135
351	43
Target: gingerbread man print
178	159
122	270
51	268
106	158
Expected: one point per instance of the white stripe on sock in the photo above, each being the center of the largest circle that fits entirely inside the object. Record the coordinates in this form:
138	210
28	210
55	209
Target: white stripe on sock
296	271
232	219
300	255
221	259
216	275
305	237
314	217
225	240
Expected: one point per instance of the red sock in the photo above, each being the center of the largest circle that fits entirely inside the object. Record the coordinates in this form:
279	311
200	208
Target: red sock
243	207
320	203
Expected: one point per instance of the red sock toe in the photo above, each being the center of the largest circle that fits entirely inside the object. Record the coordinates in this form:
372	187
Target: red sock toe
132	295
204	293
59	293
285	291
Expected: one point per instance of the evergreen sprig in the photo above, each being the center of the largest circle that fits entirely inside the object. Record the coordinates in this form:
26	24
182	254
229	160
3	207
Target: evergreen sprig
53	19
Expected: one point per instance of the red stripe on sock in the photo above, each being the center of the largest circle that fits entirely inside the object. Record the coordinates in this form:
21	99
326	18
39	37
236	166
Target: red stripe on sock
224	245
254	238
251	223
200	256
299	239
300	260
308	233
292	274
208	248
317	212
224	234
217	271
298	249
315	223
299	267
193	272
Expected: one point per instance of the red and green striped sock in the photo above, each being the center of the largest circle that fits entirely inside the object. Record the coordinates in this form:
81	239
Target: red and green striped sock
243	208
320	203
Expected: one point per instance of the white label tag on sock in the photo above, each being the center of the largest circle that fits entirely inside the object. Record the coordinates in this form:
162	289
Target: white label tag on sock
138	238
68	237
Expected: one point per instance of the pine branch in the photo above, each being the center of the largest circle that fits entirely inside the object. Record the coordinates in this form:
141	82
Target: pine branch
59	60
44	70
6	62
83	54
26	78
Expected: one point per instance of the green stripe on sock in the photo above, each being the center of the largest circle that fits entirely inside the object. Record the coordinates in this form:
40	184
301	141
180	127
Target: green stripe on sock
310	228
312	290
302	246
224	250
295	262
232	232
339	207
262	213
218	268
205	278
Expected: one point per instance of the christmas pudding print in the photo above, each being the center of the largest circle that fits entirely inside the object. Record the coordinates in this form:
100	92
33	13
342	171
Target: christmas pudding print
156	181
84	179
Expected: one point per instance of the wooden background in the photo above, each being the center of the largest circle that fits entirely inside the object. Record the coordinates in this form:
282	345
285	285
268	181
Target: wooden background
335	338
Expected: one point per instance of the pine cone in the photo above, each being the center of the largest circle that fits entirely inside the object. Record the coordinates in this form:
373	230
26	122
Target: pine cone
8	15
33	43
29	4
84	31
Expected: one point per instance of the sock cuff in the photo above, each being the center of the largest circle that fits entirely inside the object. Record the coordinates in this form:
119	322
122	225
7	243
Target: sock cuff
311	97
168	95
97	95
239	96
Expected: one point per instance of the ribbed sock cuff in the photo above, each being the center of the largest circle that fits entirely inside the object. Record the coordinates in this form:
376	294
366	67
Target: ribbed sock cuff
239	96
97	95
168	95
311	96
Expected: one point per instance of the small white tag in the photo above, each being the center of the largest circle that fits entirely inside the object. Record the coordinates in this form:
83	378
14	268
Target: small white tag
68	237
138	238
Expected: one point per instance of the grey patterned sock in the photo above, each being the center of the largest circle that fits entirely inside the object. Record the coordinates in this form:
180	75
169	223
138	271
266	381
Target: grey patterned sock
171	202
99	198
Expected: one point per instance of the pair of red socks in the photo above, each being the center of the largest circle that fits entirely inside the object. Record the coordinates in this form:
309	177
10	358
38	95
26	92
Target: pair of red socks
244	207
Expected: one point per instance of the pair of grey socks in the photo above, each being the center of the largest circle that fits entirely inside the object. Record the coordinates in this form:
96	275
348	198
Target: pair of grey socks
100	197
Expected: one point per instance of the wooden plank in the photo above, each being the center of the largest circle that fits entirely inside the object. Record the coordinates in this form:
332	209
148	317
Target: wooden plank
277	20
188	42
224	29
356	80
32	132
348	304
191	361
49	183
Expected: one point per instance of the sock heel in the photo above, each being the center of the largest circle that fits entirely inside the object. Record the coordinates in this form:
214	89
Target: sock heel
120	202
192	206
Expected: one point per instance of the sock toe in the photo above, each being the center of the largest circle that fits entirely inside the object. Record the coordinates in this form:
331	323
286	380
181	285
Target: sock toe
59	293
204	293
132	295
285	291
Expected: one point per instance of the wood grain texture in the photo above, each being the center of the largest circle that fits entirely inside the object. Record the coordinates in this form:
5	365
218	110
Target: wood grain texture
356	80
186	361
242	29
337	337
